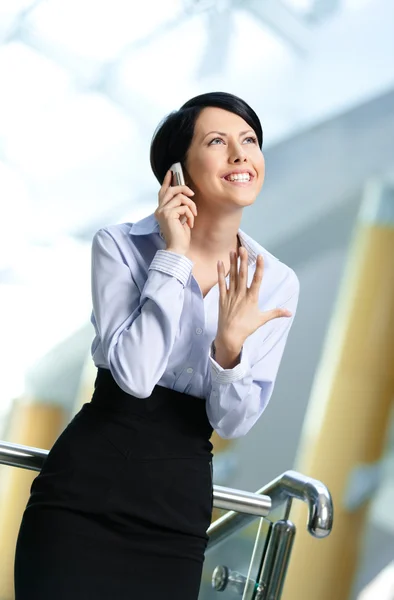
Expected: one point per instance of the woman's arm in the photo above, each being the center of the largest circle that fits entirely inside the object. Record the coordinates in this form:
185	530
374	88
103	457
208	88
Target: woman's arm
239	395
137	328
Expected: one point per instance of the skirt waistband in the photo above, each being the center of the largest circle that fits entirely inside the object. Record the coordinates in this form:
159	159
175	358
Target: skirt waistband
168	422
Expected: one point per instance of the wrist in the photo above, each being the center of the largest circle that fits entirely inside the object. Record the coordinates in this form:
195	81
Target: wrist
227	345
226	355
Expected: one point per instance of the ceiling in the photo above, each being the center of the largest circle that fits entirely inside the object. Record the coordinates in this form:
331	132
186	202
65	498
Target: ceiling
84	84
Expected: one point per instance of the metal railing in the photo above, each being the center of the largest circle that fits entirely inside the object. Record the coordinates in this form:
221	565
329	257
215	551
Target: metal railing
283	490
272	548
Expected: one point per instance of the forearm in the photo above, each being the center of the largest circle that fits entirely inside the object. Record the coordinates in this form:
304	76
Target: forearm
240	394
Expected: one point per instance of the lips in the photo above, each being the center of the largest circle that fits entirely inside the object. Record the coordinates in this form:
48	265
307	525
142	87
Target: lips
239	172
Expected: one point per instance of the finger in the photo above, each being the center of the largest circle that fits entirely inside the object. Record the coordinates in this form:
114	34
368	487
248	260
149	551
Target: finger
221	281
174	206
188	202
165	185
179	189
183	189
178	200
172	194
243	270
233	272
185	210
257	277
275	313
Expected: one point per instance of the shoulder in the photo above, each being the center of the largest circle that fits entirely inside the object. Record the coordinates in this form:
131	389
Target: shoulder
280	282
118	232
134	244
113	237
129	232
113	242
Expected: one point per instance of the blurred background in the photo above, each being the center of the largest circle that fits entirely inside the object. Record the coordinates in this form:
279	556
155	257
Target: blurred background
83	85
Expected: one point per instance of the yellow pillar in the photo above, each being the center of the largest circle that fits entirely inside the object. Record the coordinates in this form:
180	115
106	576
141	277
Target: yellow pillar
350	405
32	424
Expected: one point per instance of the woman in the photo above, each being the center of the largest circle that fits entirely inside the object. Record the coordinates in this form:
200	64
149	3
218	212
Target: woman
187	340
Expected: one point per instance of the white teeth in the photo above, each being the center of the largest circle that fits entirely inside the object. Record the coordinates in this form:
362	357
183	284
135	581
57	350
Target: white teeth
239	177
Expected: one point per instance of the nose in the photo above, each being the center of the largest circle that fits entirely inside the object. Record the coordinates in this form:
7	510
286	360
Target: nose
237	154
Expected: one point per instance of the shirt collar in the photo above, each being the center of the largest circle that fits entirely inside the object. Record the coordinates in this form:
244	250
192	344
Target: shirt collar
145	226
150	225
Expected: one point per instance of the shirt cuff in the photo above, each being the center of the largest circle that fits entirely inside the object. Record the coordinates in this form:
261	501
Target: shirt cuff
220	375
173	264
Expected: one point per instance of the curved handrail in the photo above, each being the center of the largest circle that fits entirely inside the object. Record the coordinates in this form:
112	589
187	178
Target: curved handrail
289	485
292	484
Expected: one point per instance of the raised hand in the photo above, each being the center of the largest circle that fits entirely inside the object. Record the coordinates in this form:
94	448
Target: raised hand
239	313
175	214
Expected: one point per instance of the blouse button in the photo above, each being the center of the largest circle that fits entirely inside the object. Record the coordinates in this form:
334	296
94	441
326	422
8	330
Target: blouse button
199	331
189	370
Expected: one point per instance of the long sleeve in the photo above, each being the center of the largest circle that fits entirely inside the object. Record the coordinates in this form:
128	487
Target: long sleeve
239	396
137	328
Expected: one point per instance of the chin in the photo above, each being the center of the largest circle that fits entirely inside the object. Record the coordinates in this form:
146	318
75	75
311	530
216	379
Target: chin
244	199
247	202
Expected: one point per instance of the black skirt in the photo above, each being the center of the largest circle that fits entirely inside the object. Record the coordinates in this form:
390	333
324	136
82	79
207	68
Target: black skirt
121	506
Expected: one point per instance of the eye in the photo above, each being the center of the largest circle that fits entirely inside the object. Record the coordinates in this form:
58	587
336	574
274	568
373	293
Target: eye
252	138
211	143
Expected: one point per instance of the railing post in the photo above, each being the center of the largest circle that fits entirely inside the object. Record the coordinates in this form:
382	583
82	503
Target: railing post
274	566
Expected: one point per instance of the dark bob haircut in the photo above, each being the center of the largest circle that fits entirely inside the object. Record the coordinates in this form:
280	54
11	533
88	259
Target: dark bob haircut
173	137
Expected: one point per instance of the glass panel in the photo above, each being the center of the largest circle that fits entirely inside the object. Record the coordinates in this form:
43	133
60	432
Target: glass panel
252	589
236	554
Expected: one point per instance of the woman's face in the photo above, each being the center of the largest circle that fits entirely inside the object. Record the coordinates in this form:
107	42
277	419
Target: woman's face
225	166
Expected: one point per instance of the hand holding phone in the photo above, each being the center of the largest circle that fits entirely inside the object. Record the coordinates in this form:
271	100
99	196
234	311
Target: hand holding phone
176	210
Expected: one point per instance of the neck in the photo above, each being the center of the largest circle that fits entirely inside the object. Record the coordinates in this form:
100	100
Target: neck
215	236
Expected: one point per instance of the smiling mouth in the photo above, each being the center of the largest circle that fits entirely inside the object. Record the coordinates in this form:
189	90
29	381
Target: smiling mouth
239	178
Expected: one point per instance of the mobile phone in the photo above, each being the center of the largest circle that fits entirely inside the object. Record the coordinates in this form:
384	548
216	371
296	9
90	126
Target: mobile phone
178	179
177	174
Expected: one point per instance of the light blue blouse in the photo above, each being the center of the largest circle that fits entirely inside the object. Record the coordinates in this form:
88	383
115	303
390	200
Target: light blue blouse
153	325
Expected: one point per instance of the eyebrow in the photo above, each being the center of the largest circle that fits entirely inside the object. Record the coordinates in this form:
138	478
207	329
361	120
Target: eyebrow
226	135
